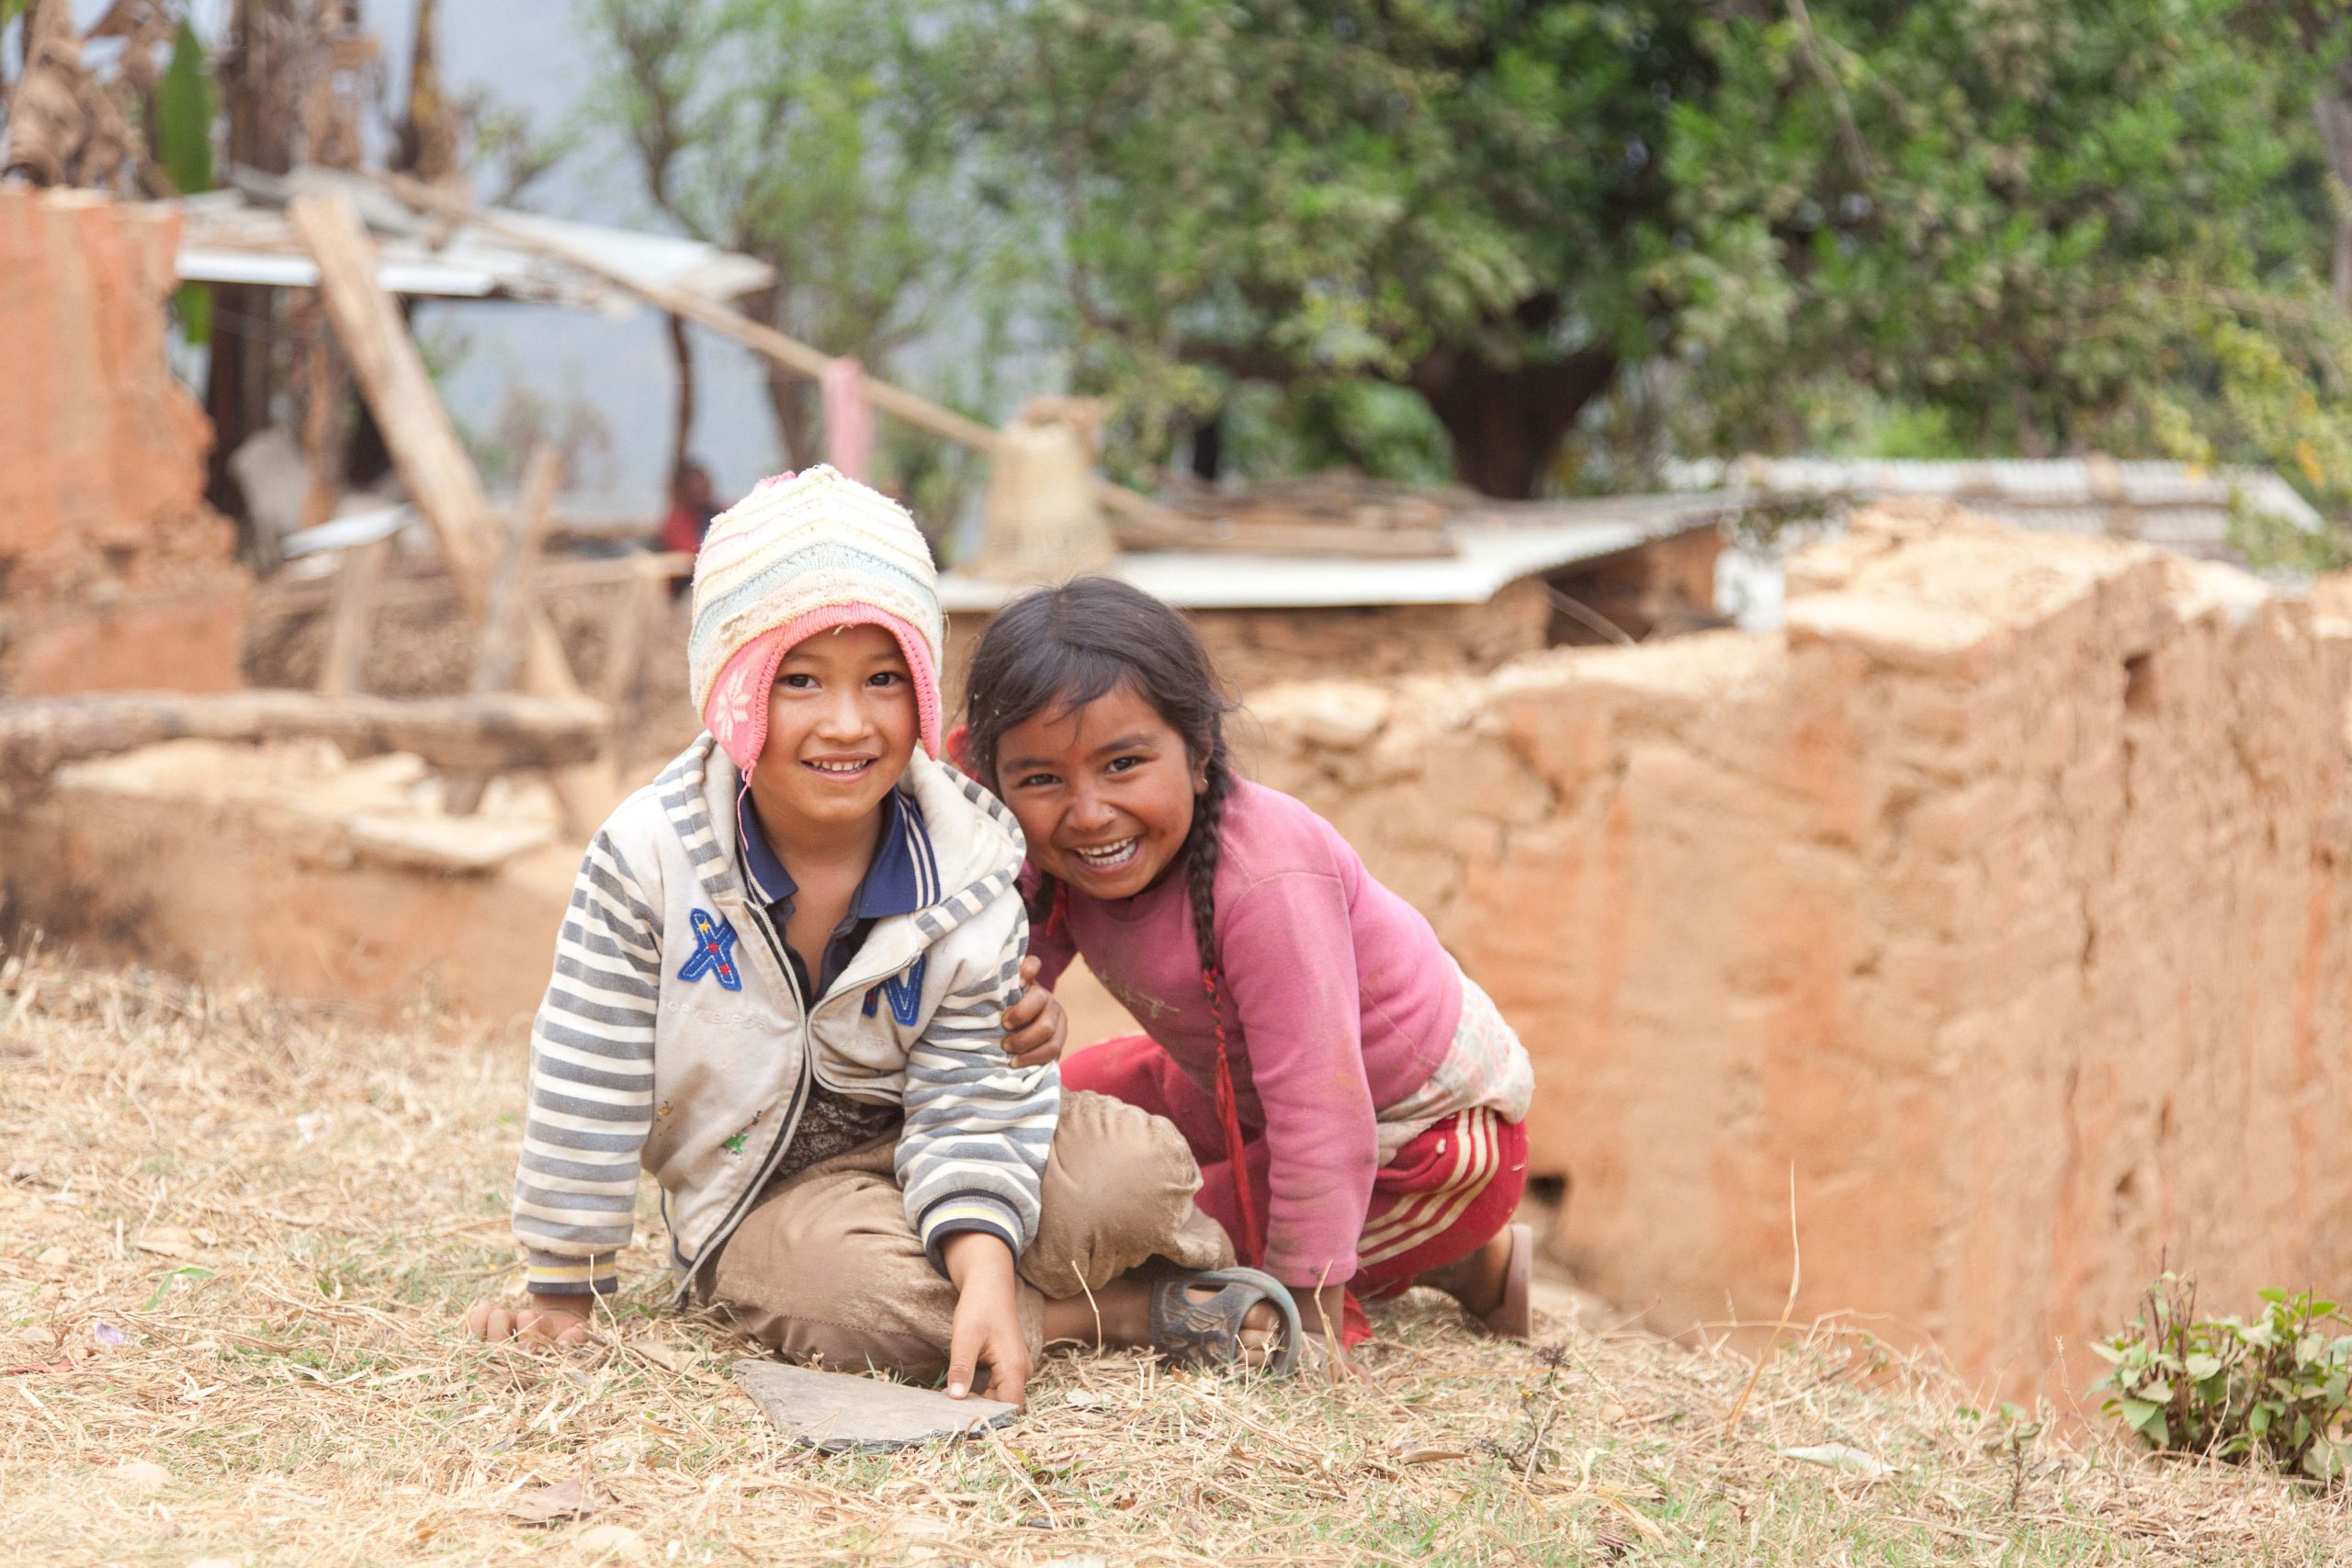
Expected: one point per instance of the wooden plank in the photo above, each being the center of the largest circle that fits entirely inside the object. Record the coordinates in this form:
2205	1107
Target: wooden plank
498	656
433	464
38	735
441	479
498	649
352	604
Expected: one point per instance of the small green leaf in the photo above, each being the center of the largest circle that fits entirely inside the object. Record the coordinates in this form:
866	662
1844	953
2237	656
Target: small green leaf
2138	1412
2202	1365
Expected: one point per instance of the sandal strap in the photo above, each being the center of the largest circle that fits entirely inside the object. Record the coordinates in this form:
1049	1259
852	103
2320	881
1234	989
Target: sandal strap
1190	1330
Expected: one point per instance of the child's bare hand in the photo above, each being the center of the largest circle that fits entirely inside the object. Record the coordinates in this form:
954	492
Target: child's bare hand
1036	1028
988	1319
551	1318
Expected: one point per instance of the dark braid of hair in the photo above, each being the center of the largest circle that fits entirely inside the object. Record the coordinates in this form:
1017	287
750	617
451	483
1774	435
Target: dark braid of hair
1204	847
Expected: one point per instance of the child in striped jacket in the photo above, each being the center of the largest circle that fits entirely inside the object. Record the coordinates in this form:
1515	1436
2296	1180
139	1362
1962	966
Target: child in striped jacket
790	986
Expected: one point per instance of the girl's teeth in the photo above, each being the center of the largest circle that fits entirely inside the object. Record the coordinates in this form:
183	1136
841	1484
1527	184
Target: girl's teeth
837	767
1108	856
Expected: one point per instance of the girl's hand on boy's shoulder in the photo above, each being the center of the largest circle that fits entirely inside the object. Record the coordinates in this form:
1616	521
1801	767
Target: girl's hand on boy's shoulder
1036	1028
542	1317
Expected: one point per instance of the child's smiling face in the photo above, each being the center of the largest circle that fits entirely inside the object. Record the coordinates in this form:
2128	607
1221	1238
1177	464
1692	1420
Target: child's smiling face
1104	793
841	725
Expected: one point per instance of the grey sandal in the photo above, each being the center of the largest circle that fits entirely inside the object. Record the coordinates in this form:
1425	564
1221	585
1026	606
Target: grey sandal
1208	1332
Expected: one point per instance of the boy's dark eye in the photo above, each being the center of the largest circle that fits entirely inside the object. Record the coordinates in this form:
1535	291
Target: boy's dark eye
885	678
1122	765
797	681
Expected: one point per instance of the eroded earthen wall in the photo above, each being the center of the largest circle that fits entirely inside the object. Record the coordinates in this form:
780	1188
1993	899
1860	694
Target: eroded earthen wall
113	571
2003	897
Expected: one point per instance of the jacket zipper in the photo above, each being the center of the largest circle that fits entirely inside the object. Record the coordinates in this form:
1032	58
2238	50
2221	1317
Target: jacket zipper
785	1126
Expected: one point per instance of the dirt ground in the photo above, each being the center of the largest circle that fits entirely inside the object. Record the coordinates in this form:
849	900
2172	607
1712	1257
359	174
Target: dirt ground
236	1235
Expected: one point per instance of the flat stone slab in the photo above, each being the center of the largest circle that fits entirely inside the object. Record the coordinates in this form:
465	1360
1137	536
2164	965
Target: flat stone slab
838	1414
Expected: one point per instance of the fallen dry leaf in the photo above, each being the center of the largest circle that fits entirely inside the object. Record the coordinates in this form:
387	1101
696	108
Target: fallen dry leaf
608	1543
141	1477
1423	1454
166	1241
573	1499
1845	1457
55	1258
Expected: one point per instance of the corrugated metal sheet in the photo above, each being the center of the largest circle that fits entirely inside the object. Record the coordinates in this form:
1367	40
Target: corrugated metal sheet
239	234
2180	505
1493	548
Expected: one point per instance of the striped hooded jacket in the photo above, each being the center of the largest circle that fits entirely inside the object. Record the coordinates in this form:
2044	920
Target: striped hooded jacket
673	1036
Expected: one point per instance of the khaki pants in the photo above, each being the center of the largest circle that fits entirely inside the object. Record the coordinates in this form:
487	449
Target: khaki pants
826	1267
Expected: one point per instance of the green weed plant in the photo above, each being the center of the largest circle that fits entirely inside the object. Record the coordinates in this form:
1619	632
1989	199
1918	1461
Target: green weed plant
2272	1390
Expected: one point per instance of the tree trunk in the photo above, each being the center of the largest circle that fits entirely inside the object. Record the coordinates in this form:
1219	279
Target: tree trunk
428	140
1506	425
683	424
2334	112
251	72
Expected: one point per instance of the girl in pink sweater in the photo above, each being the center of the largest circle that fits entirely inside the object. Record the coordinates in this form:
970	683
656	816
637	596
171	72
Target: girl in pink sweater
1354	1100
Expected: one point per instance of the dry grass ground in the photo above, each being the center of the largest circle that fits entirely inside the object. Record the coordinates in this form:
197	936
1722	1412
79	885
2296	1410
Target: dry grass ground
235	1236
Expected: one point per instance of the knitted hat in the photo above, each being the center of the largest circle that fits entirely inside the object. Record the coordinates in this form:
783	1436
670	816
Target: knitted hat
804	552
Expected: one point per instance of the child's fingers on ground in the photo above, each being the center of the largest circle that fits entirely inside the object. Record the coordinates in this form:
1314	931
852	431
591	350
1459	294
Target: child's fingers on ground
1008	1370
963	1357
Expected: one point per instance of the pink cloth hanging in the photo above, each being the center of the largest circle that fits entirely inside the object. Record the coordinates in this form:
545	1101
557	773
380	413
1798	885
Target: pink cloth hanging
849	418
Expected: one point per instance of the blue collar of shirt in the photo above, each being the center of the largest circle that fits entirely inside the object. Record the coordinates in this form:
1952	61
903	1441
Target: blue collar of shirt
903	877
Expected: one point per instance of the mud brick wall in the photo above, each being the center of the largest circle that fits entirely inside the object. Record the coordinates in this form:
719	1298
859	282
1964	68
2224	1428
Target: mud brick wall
113	571
2004	897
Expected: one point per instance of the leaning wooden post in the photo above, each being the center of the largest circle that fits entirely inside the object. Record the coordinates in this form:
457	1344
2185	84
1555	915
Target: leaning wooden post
498	650
441	479
351	614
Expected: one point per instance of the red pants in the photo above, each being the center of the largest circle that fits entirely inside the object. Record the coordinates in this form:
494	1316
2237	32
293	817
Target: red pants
1446	1194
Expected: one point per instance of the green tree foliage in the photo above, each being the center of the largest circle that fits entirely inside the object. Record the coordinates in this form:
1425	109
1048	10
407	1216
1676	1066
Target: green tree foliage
1449	195
186	106
806	133
2017	225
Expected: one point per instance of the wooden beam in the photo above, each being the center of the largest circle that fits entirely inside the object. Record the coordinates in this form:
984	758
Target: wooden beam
41	734
352	603
433	464
498	651
498	656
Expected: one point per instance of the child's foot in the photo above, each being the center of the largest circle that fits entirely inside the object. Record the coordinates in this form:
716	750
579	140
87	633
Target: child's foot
1138	1315
1493	1283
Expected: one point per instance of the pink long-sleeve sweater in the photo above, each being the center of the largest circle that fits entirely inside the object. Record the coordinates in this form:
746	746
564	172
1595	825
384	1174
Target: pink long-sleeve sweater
1336	994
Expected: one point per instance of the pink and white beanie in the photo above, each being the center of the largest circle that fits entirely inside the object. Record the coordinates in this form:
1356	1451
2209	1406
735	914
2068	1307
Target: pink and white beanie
804	552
